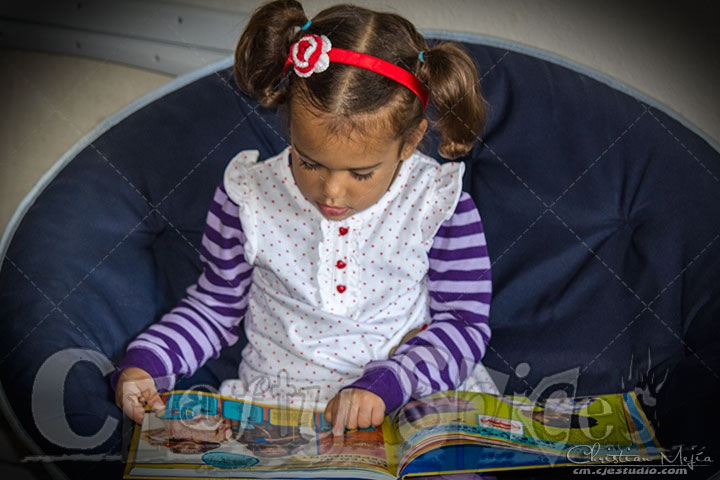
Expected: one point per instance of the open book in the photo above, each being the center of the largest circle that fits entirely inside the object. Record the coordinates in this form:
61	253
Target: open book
202	435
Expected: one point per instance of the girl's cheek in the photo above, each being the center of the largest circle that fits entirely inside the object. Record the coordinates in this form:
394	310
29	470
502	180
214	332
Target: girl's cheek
299	177
307	187
304	183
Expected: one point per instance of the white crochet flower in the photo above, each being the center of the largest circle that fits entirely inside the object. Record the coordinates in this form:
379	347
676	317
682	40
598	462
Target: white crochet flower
310	54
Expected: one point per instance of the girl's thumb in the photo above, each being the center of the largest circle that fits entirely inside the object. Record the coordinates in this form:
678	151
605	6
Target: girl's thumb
156	403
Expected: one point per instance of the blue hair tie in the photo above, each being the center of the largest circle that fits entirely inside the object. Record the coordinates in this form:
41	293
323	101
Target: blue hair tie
306	26
420	56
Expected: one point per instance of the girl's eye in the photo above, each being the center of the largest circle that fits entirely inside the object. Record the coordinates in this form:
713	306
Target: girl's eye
361	176
309	166
357	176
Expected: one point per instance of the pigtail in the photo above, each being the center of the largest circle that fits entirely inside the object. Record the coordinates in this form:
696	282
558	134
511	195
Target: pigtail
452	81
262	49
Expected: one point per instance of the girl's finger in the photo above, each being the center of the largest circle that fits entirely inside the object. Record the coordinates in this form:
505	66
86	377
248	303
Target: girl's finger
136	411
156	403
341	416
330	411
125	392
353	416
365	416
378	415
138	416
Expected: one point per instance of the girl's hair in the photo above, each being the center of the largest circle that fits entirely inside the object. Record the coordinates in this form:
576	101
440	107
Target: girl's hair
350	98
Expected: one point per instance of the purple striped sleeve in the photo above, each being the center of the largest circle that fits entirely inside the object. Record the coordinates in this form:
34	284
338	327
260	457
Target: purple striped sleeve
207	319
441	357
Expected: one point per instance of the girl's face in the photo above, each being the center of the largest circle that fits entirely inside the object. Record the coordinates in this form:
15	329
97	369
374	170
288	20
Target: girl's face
342	176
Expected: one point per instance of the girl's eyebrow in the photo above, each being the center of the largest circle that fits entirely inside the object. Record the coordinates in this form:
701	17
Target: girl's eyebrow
351	169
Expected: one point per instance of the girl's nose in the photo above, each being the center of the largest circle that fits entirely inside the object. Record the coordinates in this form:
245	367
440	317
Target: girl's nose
333	185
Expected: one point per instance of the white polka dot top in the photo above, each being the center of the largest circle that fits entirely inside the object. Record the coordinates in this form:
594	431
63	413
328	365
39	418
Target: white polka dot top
328	297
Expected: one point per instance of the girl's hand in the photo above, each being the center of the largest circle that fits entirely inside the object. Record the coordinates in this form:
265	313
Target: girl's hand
135	389
354	408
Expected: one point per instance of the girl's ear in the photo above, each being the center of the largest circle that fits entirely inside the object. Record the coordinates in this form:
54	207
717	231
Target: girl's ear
412	142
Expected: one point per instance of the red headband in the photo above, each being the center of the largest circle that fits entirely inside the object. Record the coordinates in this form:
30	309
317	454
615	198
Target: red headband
307	58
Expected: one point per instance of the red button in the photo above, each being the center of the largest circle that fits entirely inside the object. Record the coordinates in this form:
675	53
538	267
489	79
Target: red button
341	288
343	230
340	264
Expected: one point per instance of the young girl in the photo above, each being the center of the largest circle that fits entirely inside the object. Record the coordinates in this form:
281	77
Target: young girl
357	262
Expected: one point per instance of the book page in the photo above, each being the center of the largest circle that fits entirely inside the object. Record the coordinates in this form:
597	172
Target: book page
578	427
200	433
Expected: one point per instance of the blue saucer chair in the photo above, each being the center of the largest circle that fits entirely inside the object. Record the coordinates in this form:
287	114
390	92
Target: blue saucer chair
601	210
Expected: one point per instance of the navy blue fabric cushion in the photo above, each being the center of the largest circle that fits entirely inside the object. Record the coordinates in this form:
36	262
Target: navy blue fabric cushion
601	215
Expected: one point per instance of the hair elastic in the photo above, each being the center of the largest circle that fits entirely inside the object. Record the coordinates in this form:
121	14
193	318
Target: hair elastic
313	54
420	56
306	26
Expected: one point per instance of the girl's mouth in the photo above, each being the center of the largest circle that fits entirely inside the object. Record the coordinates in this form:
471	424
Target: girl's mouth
331	211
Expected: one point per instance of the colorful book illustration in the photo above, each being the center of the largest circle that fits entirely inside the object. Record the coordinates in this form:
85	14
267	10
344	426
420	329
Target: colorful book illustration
203	435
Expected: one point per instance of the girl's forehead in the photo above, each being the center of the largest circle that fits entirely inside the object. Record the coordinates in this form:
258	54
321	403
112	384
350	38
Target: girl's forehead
361	129
343	152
